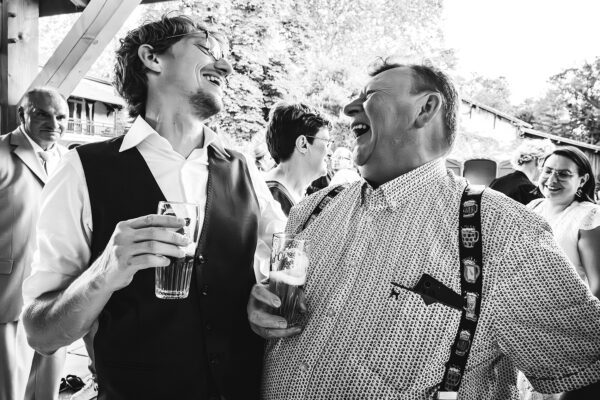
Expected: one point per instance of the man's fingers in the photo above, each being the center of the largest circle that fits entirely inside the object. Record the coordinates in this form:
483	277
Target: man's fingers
157	248
160	235
145	261
262	294
276	333
165	221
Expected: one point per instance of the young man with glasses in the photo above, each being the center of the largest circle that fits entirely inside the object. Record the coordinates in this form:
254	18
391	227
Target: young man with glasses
298	140
94	269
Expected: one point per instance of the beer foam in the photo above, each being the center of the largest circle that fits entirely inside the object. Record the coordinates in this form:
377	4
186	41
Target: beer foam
286	277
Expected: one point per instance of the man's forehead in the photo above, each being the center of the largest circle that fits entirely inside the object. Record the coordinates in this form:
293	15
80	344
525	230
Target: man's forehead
47	101
399	76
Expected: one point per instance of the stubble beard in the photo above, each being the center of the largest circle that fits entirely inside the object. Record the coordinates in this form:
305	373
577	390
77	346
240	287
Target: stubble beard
206	105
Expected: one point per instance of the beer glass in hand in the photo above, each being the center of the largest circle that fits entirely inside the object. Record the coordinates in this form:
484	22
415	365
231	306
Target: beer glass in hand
289	262
173	281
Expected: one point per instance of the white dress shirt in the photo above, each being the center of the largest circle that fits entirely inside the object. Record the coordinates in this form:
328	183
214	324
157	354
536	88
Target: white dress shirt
64	229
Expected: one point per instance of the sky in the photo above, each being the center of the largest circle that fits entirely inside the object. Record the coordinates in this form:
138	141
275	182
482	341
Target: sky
527	41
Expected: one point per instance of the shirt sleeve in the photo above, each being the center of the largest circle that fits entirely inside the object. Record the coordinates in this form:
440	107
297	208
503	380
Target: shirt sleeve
64	231
271	220
545	318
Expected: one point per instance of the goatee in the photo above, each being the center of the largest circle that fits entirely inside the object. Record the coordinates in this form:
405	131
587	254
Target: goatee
206	105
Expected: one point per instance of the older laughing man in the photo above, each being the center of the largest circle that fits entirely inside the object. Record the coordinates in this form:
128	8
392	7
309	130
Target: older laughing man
393	308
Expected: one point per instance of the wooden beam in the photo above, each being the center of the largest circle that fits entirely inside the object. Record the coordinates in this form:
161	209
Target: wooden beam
97	25
18	56
57	7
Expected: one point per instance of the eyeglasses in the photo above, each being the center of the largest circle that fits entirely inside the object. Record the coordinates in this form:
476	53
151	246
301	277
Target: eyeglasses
215	50
561	174
330	142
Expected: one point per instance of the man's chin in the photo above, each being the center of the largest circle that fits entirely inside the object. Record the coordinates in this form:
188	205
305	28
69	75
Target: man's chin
206	105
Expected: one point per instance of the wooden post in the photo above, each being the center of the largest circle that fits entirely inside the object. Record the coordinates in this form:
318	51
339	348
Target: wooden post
18	56
84	43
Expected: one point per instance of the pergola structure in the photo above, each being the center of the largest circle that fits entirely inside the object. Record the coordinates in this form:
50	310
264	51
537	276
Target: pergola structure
99	21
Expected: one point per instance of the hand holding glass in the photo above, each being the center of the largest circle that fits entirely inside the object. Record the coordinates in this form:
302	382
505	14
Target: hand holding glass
289	262
173	281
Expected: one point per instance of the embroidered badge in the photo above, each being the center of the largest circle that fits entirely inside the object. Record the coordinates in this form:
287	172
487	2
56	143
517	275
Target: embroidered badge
471	270
469	236
464	342
453	378
470	306
469	208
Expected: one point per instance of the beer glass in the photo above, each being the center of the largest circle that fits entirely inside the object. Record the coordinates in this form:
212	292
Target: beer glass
173	281
289	262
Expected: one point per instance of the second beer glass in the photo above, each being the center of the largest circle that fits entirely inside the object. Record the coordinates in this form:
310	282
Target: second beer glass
289	262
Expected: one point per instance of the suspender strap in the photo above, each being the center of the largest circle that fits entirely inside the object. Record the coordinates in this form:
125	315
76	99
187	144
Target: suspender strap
322	204
471	277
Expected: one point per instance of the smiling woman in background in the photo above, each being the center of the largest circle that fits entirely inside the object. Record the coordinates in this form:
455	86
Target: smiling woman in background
567	182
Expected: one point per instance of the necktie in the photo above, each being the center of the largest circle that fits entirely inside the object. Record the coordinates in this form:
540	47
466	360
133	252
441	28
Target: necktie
44	157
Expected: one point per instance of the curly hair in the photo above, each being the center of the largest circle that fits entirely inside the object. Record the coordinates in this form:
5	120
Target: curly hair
287	122
531	150
130	73
428	78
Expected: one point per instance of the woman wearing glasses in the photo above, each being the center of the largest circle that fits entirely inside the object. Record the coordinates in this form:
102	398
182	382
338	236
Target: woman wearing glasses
298	140
567	183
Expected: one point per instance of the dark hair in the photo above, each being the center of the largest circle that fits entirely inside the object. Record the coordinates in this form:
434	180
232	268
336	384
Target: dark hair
583	167
130	73
287	122
429	78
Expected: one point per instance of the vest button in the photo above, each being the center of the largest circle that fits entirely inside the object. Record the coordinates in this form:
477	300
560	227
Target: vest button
208	327
201	259
213	360
205	290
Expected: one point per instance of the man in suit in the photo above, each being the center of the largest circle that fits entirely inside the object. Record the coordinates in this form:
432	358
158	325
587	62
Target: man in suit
27	156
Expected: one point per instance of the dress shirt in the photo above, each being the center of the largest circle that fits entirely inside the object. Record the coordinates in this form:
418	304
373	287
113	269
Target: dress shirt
51	157
362	342
65	225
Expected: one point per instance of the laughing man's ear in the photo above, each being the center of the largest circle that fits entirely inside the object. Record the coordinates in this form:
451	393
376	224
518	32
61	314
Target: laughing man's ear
149	59
430	106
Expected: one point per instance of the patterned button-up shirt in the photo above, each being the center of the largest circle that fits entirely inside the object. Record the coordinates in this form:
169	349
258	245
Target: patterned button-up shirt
360	342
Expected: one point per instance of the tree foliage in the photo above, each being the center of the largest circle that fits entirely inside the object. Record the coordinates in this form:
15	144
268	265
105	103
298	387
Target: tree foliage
493	92
571	107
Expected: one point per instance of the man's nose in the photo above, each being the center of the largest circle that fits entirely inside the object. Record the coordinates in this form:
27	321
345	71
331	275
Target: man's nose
553	177
55	124
353	108
223	66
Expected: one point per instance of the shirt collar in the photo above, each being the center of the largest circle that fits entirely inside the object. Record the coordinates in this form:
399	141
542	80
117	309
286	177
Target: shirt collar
140	131
407	185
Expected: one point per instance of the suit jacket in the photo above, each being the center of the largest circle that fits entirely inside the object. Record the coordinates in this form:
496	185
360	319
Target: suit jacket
22	178
517	186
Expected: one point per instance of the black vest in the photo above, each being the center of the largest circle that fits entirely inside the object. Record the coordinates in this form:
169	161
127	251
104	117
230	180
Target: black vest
150	348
